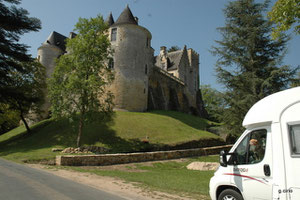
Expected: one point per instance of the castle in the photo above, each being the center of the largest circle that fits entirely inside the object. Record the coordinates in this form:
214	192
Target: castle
168	81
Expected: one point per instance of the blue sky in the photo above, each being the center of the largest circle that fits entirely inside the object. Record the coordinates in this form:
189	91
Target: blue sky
171	22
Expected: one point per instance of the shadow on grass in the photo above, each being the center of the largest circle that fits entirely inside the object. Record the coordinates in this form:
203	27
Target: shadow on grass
63	133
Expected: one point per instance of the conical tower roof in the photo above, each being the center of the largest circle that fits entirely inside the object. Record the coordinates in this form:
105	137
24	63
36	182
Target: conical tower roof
126	17
58	40
110	20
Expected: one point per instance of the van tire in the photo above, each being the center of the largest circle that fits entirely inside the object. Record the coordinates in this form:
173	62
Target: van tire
230	194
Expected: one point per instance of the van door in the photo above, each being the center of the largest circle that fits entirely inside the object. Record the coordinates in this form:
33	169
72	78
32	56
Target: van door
253	164
290	122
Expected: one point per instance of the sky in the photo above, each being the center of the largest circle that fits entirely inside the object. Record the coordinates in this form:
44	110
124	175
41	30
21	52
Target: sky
171	22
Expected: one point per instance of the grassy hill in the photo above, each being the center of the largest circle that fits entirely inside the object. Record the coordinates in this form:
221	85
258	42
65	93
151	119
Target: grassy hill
165	129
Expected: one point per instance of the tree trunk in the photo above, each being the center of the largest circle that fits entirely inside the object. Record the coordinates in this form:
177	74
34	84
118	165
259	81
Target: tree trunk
80	130
25	123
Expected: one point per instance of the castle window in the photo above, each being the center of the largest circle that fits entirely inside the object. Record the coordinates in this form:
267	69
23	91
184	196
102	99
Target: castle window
146	69
111	63
113	36
147	42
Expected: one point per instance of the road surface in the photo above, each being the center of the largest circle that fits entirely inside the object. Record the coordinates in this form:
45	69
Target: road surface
19	182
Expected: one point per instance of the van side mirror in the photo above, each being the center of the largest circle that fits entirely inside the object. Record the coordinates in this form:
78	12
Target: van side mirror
223	159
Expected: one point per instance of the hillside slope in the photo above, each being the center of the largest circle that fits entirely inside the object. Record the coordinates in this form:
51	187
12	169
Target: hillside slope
125	133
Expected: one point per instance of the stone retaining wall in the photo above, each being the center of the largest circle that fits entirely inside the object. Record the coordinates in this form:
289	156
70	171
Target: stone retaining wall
122	158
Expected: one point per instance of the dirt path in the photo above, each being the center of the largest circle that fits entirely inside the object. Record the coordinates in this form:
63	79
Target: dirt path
109	184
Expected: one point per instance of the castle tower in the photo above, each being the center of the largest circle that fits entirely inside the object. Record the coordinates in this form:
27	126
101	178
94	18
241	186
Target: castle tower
51	49
132	62
194	83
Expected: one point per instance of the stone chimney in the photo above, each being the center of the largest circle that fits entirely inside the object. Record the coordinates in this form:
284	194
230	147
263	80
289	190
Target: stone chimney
163	51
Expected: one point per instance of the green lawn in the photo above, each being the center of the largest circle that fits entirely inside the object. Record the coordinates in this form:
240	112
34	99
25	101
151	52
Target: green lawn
123	134
171	177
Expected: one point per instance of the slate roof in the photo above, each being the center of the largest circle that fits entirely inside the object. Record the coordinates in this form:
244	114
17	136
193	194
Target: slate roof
173	60
58	40
110	20
126	17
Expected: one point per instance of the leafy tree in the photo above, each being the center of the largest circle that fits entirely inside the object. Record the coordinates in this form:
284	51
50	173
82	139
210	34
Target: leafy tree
9	119
173	48
14	22
213	102
26	91
78	86
285	13
248	60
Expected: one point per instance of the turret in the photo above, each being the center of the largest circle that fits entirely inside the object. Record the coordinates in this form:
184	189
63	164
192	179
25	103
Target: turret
194	69
51	49
133	59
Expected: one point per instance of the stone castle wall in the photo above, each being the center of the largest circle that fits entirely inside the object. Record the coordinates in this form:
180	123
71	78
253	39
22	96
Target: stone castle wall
132	61
122	158
166	92
46	56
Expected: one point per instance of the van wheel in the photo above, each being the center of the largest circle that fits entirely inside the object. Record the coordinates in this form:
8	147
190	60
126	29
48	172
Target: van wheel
230	194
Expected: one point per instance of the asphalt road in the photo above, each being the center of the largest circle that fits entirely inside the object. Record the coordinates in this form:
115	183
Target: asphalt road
19	182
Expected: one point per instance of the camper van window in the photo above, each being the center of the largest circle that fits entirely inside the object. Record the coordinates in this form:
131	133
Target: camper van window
295	139
252	148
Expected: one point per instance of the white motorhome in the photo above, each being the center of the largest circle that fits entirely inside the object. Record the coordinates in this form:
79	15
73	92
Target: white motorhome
264	163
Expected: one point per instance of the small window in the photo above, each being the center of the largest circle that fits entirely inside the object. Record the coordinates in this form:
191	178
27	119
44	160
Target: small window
147	42
295	139
146	69
111	63
251	150
113	36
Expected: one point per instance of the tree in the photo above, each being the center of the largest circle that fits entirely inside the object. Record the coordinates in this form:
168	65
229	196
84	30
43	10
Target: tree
173	48
26	91
9	119
214	102
248	60
285	13
79	84
14	22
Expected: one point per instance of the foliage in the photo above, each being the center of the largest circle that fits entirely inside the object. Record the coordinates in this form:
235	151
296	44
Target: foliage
9	119
14	23
285	13
81	78
213	102
296	80
26	90
248	60
173	48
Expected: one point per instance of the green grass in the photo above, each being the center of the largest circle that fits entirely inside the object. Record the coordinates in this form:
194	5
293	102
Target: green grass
171	177
123	134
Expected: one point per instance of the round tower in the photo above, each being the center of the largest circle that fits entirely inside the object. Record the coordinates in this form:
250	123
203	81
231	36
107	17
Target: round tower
132	61
51	49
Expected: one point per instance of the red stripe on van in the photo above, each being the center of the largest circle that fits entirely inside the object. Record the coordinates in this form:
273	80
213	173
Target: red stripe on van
245	177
